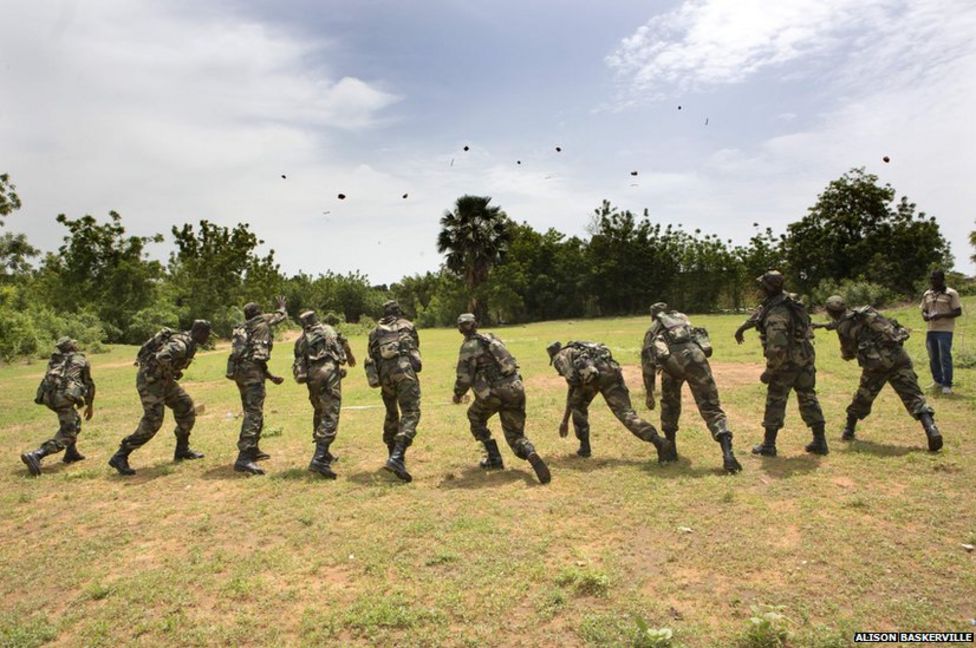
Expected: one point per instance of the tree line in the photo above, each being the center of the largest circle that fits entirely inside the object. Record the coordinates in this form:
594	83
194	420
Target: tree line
102	286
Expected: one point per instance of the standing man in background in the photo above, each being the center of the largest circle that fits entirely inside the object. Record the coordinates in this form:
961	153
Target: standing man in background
940	308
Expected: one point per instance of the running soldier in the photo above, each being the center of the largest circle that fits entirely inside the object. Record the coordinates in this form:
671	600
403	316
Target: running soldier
680	352
67	385
589	369
487	368
161	362
247	366
877	343
320	352
785	331
392	364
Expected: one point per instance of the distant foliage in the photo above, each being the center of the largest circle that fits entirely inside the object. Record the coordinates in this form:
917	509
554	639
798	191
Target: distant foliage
856	292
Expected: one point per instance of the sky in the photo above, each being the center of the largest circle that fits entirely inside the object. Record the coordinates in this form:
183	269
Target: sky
732	112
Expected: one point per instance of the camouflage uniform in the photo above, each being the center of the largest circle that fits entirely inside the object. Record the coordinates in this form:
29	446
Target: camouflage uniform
320	352
589	369
67	385
680	360
397	372
494	393
877	343
251	373
156	382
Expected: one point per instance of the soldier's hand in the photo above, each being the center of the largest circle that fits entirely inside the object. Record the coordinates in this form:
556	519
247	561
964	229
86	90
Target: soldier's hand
649	401
277	380
351	362
89	412
280	301
564	429
739	338
764	377
456	399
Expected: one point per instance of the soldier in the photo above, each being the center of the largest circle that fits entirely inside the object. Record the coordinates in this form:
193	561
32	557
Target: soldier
486	367
681	352
161	362
66	385
320	352
589	369
248	367
784	328
877	343
392	364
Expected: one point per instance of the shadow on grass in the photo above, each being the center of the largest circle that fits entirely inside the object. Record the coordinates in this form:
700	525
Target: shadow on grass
225	471
789	466
881	449
685	467
143	475
375	477
591	464
474	476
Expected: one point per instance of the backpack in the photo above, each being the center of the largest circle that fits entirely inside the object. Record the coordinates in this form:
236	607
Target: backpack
390	341
591	358
505	361
238	350
678	330
152	346
887	332
57	381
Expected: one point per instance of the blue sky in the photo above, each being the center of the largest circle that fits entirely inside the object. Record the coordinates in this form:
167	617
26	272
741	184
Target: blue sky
171	112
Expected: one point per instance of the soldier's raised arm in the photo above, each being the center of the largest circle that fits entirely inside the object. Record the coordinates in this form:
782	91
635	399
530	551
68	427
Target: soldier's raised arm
281	314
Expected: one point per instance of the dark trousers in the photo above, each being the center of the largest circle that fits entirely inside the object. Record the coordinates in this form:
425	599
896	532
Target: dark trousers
939	345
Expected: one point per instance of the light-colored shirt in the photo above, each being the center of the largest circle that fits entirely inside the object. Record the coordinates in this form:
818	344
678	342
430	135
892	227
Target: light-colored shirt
941	302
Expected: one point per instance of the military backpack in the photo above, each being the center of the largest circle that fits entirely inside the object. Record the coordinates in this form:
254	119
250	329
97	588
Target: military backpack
152	346
58	381
238	350
501	356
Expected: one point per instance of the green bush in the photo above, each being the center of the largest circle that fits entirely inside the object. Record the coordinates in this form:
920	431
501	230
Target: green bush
856	292
146	322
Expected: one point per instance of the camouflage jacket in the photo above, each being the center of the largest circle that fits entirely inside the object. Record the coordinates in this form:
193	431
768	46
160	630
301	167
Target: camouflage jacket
483	362
870	337
260	338
581	362
175	355
786	332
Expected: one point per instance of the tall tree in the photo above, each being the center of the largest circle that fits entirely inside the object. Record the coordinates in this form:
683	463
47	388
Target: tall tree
856	230
972	241
9	201
474	238
100	269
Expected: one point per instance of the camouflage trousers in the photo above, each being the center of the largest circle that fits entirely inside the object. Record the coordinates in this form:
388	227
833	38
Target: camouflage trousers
325	395
799	378
507	399
617	396
690	365
401	396
902	379
155	397
69	425
252	401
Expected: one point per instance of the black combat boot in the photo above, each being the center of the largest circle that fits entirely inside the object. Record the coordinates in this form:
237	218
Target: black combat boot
729	462
768	447
183	450
332	457
848	433
389	448
33	460
819	444
396	463
540	468
120	461
665	449
320	461
72	455
672	436
932	432
245	462
260	455
493	460
584	449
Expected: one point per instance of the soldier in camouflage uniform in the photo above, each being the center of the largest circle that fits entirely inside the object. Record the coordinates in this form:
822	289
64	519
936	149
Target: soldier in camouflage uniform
392	364
680	352
67	385
486	367
589	369
161	362
320	352
784	328
877	343
248	367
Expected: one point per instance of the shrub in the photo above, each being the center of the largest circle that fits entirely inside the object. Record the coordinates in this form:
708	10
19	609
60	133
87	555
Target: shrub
856	292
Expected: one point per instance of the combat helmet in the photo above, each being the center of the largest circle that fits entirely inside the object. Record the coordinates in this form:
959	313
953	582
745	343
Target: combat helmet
658	307
307	317
772	280
391	307
467	318
251	310
835	304
553	349
66	344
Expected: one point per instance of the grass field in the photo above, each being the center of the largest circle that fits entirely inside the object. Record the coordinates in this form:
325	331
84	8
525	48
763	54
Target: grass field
866	538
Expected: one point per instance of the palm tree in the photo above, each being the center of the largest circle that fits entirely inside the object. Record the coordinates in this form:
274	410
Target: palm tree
474	237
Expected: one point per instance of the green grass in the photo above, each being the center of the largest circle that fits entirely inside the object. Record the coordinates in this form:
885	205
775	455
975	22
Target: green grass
197	554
